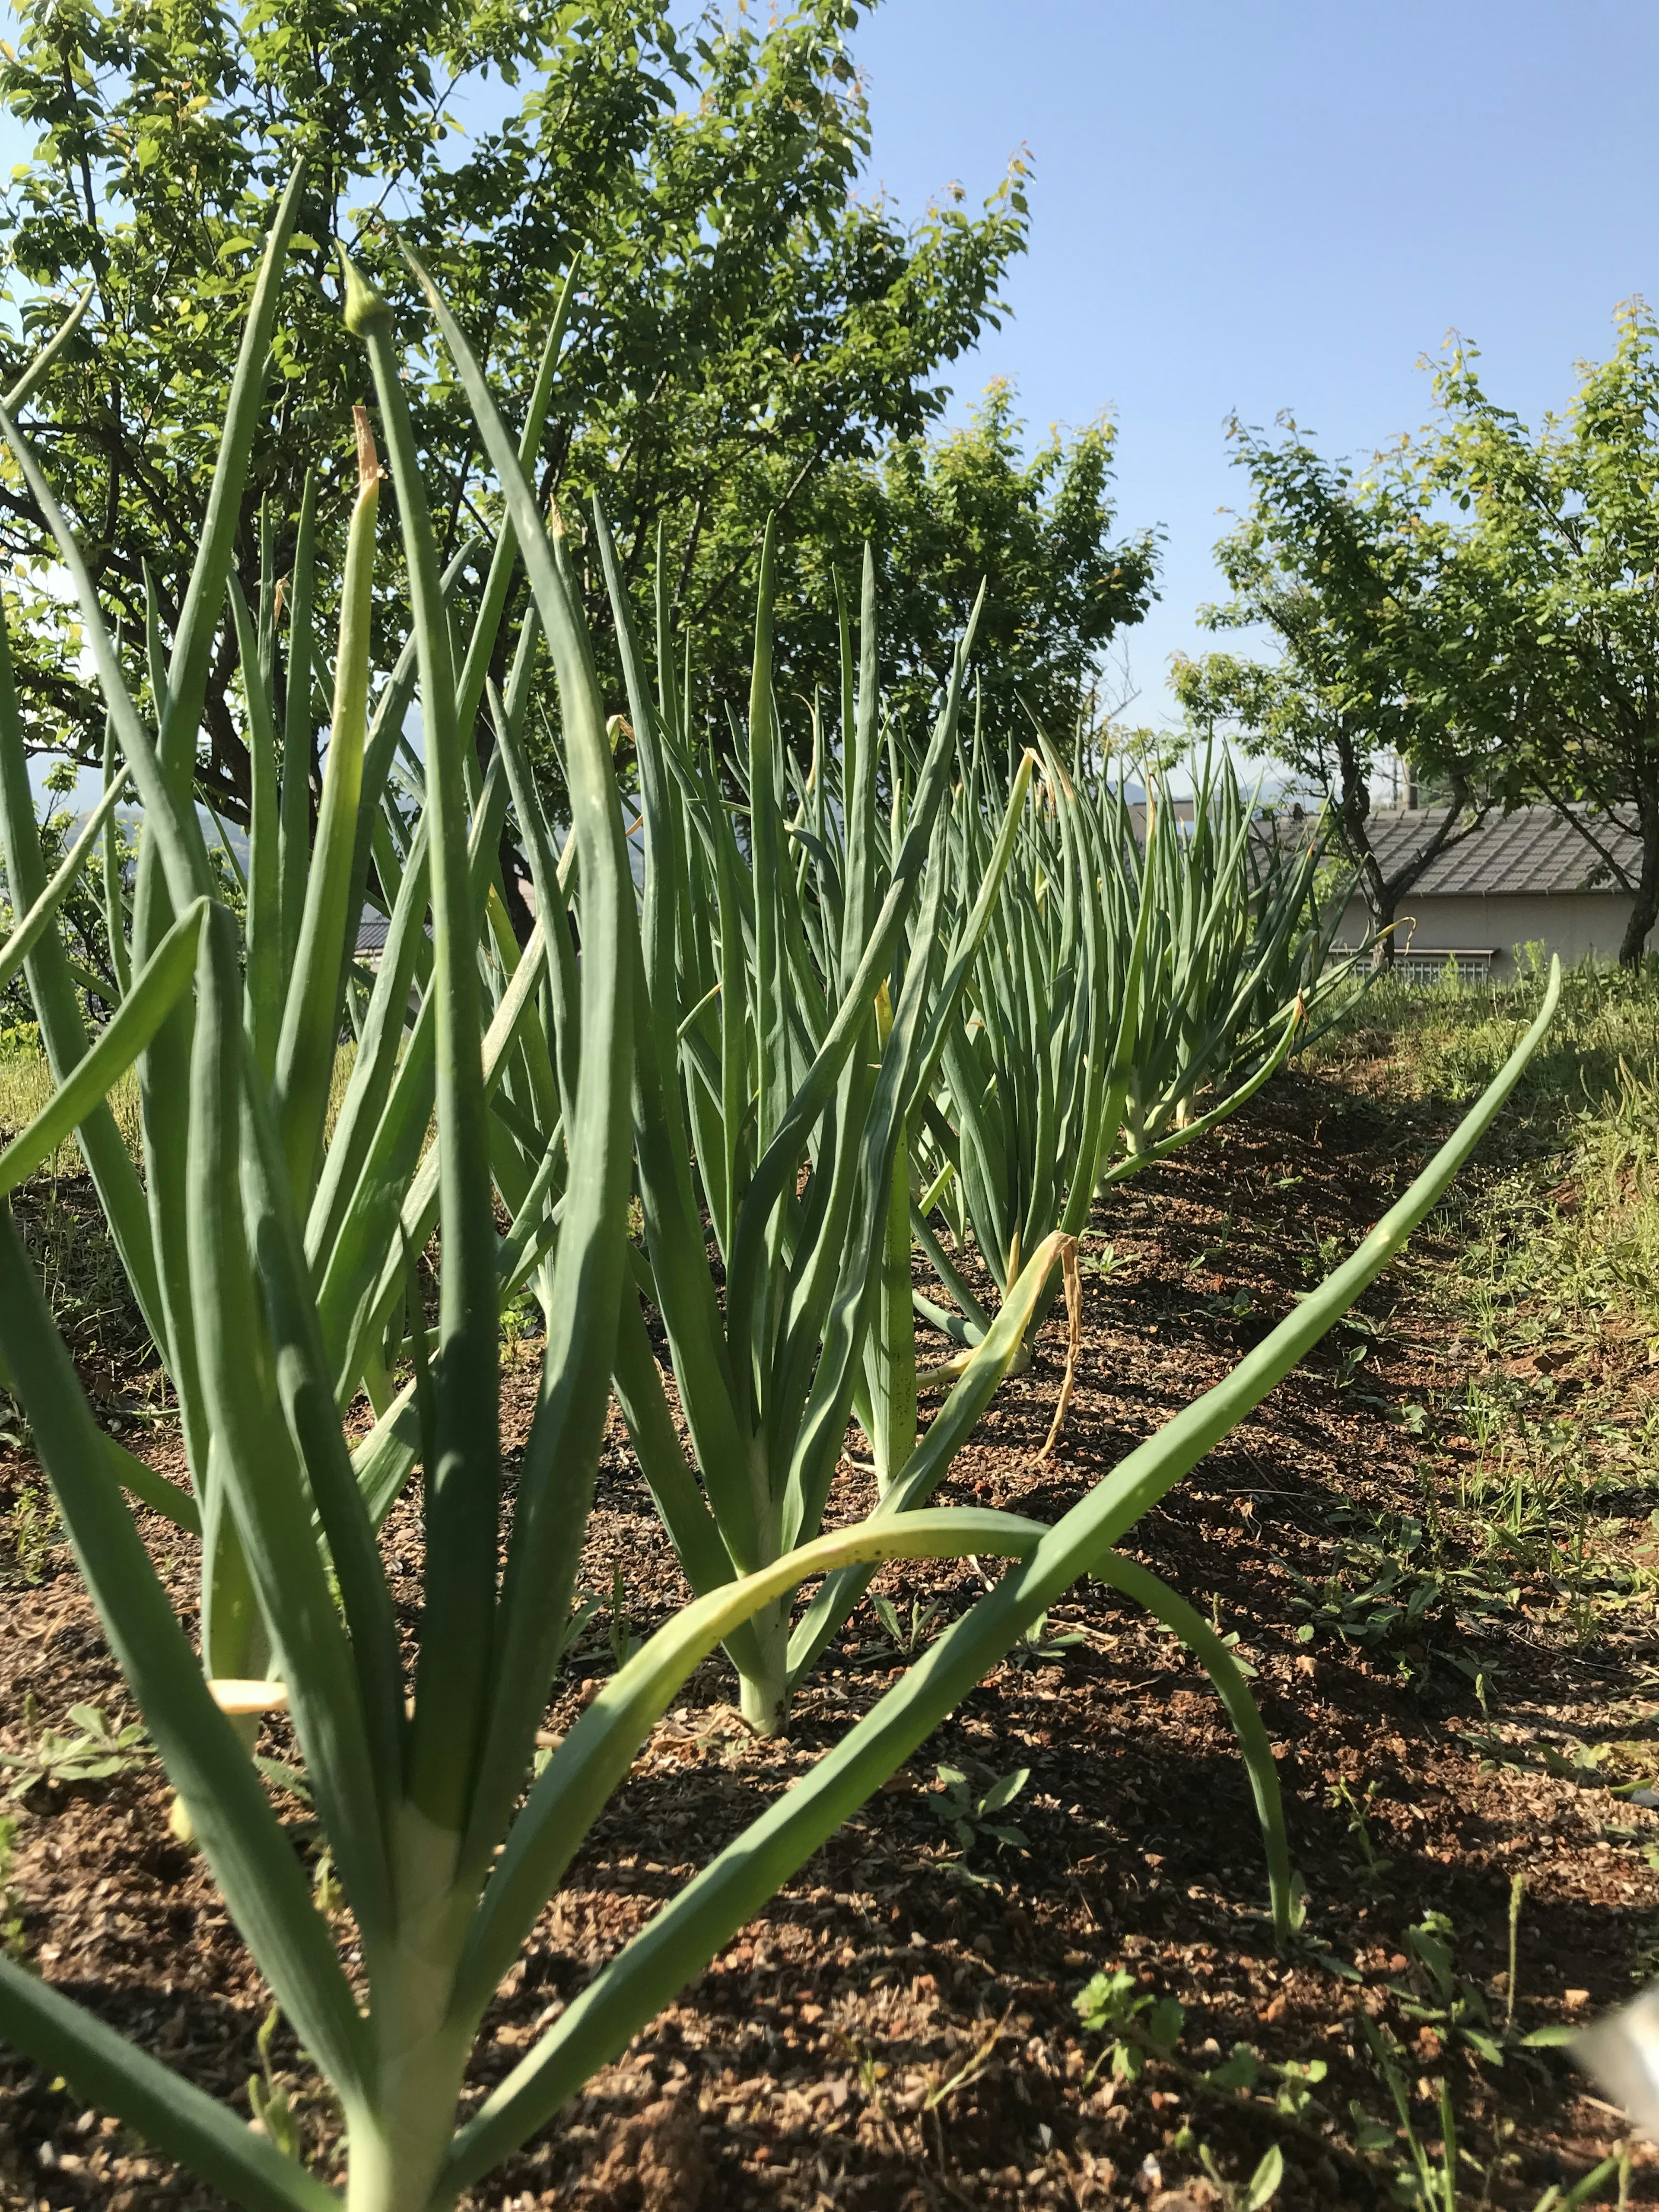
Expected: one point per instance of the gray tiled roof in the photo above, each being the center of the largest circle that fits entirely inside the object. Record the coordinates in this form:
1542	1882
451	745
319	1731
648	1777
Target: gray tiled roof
1530	852
372	929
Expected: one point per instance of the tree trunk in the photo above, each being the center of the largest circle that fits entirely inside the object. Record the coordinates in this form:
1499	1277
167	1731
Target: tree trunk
1644	904
515	875
1384	906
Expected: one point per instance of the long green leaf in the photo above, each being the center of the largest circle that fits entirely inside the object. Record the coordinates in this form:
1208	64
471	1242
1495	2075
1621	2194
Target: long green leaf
34	375
114	2075
156	1491
204	596
264	917
158	988
311	1014
293	800
499	583
562	1453
260	1464
35	924
264	1885
1168	1606
461	1490
574	1785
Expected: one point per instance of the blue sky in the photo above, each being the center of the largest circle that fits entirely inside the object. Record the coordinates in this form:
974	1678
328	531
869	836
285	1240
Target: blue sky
1272	204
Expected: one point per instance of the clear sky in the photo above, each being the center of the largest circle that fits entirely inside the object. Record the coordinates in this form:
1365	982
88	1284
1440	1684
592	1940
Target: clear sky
1260	205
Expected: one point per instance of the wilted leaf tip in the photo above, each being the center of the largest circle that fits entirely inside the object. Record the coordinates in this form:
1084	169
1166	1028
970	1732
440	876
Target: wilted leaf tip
368	460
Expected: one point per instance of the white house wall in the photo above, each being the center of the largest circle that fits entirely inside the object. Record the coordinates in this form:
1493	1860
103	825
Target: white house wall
1575	924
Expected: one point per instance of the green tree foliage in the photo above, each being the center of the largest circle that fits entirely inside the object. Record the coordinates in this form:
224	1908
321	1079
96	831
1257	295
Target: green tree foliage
1346	571
744	323
945	514
1554	648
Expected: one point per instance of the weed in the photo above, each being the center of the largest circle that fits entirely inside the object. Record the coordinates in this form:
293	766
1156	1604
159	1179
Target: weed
1517	1898
1037	1647
1208	1255
80	1267
1624	1768
624	1642
1430	2183
1387	1590
969	2070
1378	1586
1645	1952
1232	1637
1440	1997
1342	1799
1262	2187
32	1526
1457	2008
1146	2030
13	1425
1296	2079
906	1640
1352	1359
521	1321
1420	2182
1139	2024
11	1897
265	2094
326	1891
971	1819
581	1611
99	1751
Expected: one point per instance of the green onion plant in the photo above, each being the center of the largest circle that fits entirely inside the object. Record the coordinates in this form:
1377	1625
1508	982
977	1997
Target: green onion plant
1135	958
788	1018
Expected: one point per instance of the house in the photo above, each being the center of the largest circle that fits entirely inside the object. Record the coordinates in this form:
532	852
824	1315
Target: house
371	927
1524	878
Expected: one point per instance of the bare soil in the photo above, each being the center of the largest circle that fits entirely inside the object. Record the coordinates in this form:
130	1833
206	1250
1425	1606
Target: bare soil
810	2064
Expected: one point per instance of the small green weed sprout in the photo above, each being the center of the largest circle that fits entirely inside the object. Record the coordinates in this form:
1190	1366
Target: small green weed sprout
32	1527
99	1750
1447	2001
1262	2187
1441	1998
624	1642
326	1893
906	1639
1231	1639
1140	2024
1291	2082
584	1609
13	1425
11	1897
1429	2182
971	1819
1342	1799
268	2097
1038	1646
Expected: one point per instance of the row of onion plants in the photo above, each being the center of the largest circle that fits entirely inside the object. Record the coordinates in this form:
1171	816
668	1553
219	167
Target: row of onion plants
751	1051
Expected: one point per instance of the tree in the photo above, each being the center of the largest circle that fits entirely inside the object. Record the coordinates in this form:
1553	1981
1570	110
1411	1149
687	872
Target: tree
1554	646
1346	570
946	513
742	323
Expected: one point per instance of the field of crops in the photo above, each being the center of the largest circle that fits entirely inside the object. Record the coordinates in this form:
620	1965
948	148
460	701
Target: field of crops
803	1541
